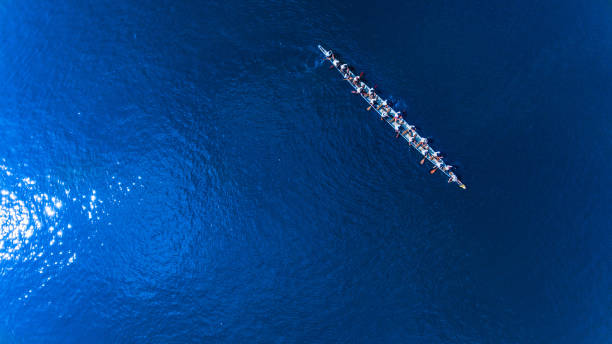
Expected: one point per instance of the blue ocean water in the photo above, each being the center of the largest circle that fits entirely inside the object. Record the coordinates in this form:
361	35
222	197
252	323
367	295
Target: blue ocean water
176	172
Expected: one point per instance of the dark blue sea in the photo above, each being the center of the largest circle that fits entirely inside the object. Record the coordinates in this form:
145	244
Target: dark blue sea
193	172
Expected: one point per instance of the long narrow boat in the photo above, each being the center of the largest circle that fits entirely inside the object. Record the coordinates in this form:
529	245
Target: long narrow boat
409	134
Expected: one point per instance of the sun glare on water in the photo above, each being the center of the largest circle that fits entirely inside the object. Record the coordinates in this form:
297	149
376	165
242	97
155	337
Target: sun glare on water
34	224
32	228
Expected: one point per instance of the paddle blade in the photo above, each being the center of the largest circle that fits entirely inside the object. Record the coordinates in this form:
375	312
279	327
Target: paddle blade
369	108
433	170
422	161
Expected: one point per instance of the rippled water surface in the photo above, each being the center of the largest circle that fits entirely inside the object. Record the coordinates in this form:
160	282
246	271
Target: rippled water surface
193	172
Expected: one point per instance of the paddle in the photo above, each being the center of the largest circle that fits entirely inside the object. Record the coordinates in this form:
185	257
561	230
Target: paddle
369	108
433	171
422	161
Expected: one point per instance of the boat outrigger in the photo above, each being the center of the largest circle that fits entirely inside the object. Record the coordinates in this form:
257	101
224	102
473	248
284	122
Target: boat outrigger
393	118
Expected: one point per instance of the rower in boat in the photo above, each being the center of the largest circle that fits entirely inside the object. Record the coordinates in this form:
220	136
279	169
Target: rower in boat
397	116
359	89
344	69
408	131
397	127
333	60
453	177
436	156
387	110
354	80
447	168
372	101
383	103
383	114
372	95
422	143
410	139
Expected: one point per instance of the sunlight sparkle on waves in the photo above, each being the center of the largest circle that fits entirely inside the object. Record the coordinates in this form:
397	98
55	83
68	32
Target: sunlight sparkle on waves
33	224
